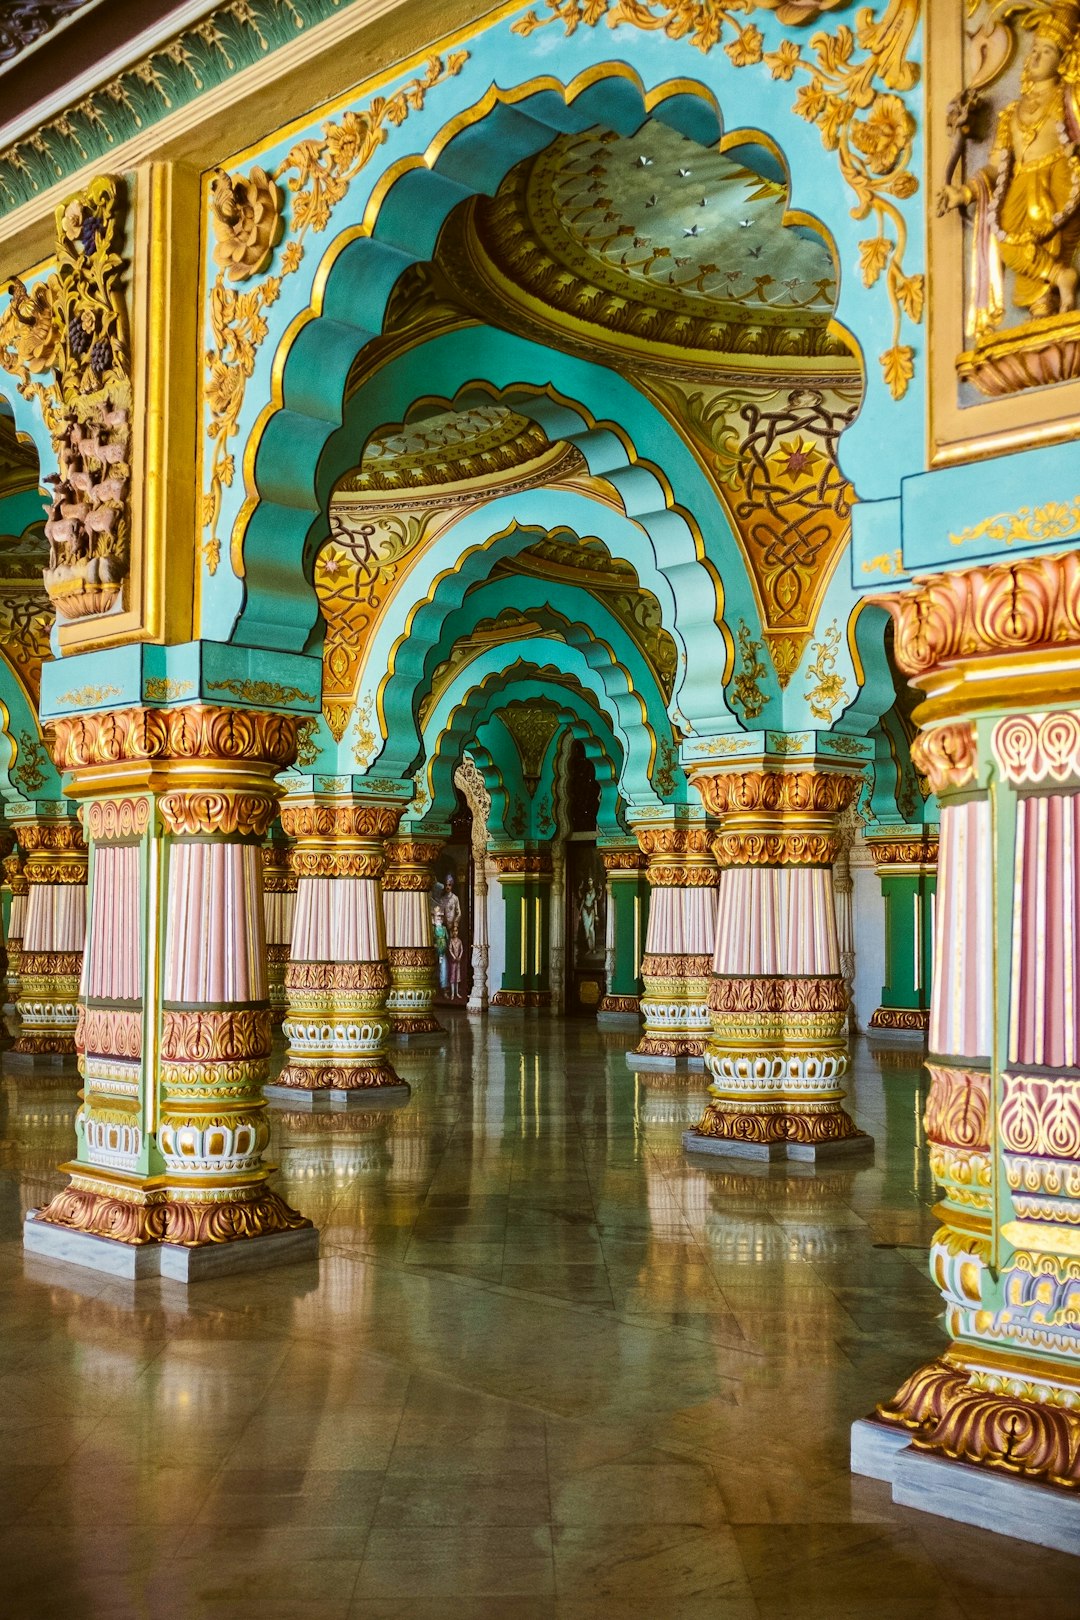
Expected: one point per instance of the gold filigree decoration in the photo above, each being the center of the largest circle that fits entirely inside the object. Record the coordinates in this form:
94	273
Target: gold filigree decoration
851	98
830	692
160	689
745	690
74	325
246	214
1028	526
319	174
365	745
889	562
262	691
31	764
355	572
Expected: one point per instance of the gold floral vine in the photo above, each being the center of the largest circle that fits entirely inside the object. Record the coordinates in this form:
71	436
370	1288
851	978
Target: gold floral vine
868	127
246	214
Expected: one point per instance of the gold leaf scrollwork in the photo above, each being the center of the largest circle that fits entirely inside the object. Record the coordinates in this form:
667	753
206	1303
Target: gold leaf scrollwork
746	689
852	93
829	692
318	174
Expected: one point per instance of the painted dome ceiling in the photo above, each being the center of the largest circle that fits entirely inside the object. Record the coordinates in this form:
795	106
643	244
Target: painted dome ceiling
656	242
449	447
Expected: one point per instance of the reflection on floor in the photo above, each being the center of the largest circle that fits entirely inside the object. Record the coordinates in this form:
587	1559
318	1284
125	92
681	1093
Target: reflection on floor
545	1368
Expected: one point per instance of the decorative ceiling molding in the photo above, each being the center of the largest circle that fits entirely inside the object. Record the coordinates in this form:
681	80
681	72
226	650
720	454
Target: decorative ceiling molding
453	447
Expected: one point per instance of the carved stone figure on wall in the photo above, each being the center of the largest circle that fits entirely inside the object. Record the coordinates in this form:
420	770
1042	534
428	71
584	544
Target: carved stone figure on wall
1025	199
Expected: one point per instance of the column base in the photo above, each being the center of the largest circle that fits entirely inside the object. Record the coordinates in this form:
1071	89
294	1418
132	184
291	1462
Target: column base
172	1260
404	1028
911	1022
333	1098
45	1046
725	1147
1026	1510
520	1001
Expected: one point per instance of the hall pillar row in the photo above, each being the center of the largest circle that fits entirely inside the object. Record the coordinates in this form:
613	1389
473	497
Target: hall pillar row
338	978
279	897
906	863
988	1431
777	1053
627	925
410	941
173	1010
525	881
679	941
54	929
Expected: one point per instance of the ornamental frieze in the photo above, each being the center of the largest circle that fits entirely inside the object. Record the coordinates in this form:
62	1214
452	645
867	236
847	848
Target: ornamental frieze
201	732
958	1107
113	820
334	976
903	851
199	812
318	820
777	995
808	792
775	849
208	1037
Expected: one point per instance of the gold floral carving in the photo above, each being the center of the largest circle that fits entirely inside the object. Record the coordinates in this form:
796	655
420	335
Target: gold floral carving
672	842
903	851
947	756
620	1004
317	820
623	860
112	820
531	726
71	871
1033	749
778	995
670	1046
684	966
44	1046
362	977
211	1037
762	1125
14	876
199	811
109	1032
1040	1116
337	1076
198	732
60	837
319	174
1027	526
829	692
31	762
775	849
162	1219
746	689
538	865
331	863
908	1018
947	1410
958	1107
161	689
408	866
246	215
51	964
74	325
779	792
849	93
412	956
981	612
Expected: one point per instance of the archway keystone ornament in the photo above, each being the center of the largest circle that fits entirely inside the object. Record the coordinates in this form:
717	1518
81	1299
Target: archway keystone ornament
338	977
174	1013
777	1052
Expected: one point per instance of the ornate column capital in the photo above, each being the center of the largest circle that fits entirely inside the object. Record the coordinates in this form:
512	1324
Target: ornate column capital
339	837
53	850
408	863
902	852
523	864
278	875
628	862
774	817
678	855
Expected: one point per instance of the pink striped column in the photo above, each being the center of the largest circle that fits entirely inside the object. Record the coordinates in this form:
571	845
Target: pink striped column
681	933
54	934
777	1053
338	978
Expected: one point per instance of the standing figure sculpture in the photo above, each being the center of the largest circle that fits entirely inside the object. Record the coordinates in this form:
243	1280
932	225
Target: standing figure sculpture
1027	198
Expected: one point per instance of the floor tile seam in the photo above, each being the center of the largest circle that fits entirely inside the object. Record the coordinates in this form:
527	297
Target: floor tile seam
382	1488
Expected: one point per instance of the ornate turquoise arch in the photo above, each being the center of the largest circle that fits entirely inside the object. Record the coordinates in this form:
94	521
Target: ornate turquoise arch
462	136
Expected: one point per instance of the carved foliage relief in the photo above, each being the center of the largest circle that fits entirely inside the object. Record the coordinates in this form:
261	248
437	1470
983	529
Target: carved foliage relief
65	341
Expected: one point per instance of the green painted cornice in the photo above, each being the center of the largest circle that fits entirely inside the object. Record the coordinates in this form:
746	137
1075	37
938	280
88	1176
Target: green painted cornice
198	59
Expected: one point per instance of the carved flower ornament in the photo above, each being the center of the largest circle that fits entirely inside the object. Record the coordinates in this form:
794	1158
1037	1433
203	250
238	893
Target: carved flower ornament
797	13
884	134
246	211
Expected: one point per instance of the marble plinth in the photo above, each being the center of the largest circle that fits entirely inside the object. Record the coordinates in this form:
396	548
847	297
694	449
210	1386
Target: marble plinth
138	1260
296	1099
723	1147
1023	1509
677	1065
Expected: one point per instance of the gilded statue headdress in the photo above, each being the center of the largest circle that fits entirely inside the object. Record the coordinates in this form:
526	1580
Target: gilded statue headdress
1059	22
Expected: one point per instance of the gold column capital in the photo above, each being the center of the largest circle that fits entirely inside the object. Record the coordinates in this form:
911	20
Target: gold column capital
343	837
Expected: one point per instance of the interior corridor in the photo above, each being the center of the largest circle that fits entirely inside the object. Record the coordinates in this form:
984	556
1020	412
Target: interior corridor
546	1366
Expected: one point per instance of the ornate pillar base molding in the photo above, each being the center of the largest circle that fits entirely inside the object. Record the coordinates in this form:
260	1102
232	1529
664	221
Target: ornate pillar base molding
411	952
901	1020
619	1012
675	969
412	991
135	1227
675	1007
520	1000
51	954
968	1440
336	1030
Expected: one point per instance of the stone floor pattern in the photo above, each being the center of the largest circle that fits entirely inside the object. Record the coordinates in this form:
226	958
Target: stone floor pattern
546	1367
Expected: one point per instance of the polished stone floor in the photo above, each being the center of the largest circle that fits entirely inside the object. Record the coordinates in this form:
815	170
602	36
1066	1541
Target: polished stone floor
545	1368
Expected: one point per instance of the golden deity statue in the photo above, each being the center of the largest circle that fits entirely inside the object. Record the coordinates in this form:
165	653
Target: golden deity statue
1027	197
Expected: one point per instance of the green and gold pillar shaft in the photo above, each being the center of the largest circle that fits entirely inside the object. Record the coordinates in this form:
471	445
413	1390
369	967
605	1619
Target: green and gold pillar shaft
681	933
410	947
525	880
627	929
338	978
174	1014
54	930
907	867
